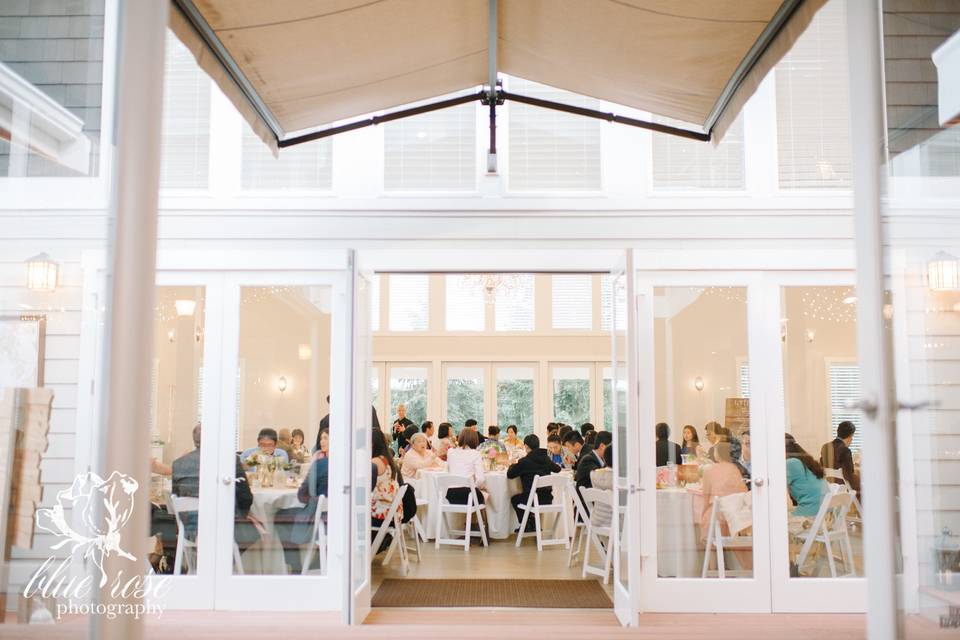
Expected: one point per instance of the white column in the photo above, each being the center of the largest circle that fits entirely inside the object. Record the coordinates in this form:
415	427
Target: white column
879	472
142	31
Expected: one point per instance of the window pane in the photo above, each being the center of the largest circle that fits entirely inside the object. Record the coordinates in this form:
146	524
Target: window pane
375	303
700	338
282	392
51	70
464	396
304	166
608	397
571	395
572	302
185	144
515	399
465	308
606	291
551	150
813	106
434	151
409	302
408	386
514	305
683	164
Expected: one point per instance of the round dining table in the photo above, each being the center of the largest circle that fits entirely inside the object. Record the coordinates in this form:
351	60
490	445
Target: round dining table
266	555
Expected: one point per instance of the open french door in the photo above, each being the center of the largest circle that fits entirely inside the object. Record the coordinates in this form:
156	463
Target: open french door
621	309
358	576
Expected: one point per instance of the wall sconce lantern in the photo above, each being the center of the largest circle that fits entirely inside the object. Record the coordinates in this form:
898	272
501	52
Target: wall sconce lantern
185	307
282	384
811	335
943	272
698	383
304	351
43	274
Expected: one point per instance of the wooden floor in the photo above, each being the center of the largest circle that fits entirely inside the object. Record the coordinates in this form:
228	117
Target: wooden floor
474	624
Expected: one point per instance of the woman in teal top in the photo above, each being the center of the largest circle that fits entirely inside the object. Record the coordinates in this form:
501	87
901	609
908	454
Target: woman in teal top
804	479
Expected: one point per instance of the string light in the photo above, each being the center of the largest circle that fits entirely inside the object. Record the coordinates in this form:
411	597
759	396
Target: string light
829	304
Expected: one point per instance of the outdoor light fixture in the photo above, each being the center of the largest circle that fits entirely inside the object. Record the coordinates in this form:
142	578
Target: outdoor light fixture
698	383
304	351
943	272
185	307
282	384
43	274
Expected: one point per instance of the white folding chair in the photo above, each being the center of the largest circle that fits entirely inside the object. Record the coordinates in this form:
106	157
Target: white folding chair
318	541
557	483
580	520
392	522
830	526
837	474
444	508
720	543
187	549
598	536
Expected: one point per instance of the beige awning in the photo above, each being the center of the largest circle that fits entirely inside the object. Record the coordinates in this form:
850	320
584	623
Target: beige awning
300	65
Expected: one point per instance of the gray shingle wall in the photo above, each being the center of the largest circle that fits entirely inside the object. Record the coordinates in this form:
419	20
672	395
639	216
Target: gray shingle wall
58	46
912	29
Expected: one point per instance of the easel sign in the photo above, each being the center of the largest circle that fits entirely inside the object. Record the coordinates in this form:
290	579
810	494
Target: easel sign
737	415
22	341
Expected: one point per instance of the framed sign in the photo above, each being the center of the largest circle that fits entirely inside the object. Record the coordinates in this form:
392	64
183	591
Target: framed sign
22	340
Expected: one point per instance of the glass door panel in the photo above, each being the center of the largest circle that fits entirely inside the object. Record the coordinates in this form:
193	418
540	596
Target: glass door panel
571	394
408	393
515	397
465	395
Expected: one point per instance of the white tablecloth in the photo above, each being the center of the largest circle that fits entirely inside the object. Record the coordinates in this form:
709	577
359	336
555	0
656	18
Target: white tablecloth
266	556
678	551
501	519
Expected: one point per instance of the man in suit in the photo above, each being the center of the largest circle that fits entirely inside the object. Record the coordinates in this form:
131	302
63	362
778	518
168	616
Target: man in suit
572	443
591	458
667	452
837	455
536	463
185	483
472	424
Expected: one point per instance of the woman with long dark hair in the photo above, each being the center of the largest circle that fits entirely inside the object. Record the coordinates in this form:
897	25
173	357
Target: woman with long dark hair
691	442
804	479
388	477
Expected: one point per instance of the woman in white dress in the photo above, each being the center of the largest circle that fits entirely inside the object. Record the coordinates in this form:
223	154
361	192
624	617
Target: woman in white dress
465	461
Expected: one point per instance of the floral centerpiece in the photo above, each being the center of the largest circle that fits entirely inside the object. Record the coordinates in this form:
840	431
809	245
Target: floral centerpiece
490	450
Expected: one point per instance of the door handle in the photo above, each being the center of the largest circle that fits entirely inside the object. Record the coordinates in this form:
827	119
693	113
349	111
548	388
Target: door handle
758	482
227	480
913	406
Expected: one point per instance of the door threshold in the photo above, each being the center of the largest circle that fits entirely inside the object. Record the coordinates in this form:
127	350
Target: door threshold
452	616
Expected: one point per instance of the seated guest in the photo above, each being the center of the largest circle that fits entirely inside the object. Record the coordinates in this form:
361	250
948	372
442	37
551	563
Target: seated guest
572	444
266	446
592	458
465	461
554	448
667	452
418	456
602	478
294	526
185	483
535	463
388	478
563	430
493	432
590	438
301	453
445	439
407	434
691	442
323	445
804	480
721	478
741	455
586	428
837	455
715	433
285	442
553	427
427	429
512	440
472	425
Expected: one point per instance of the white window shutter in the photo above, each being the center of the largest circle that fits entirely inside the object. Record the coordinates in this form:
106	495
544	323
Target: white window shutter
375	303
465	308
813	106
185	137
435	151
845	388
572	305
409	302
606	293
551	150
304	166
514	306
683	164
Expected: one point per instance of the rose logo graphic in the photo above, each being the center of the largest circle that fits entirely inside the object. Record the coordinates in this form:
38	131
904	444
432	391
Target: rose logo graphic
105	506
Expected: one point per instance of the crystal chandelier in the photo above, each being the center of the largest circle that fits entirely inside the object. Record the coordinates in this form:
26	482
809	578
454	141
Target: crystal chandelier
491	283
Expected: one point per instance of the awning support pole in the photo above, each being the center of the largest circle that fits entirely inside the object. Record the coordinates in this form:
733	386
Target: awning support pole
492	81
